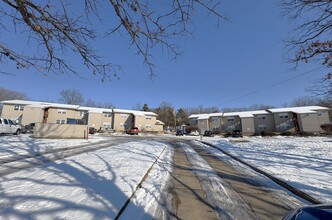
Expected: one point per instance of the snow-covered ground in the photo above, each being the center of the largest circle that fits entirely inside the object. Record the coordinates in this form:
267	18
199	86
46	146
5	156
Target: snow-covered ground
305	163
95	185
92	185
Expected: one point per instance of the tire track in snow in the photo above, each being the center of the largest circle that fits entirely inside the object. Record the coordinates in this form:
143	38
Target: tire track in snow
283	184
228	204
14	164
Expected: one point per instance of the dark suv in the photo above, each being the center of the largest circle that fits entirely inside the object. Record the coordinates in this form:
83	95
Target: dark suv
28	128
179	133
237	133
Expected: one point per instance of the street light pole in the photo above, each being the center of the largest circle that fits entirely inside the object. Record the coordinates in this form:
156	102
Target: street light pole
174	120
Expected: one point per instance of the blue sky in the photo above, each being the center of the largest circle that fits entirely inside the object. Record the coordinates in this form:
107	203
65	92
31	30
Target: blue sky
218	66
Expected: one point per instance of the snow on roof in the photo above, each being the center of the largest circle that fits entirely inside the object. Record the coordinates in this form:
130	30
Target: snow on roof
24	102
218	114
194	116
203	116
134	112
40	104
246	114
57	105
159	122
94	109
250	114
299	110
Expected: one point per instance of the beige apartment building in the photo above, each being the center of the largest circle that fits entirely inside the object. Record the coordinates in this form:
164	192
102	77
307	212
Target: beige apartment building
296	119
119	120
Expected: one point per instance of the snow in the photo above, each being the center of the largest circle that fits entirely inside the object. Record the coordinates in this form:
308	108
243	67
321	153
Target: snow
305	163
92	185
299	110
227	203
97	184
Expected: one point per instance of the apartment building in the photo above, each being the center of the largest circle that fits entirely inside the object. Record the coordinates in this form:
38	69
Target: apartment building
296	119
25	112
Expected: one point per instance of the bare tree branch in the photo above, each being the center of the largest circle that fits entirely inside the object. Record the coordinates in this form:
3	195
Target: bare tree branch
56	30
312	38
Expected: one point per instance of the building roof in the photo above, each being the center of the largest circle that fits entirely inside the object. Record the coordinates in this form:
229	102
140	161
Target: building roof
94	110
37	104
218	114
299	110
246	114
134	112
203	116
158	122
194	116
23	102
250	114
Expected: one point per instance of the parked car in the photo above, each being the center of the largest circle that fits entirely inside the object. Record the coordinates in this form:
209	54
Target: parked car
194	133
92	130
313	212
28	128
133	131
207	133
179	132
7	126
237	133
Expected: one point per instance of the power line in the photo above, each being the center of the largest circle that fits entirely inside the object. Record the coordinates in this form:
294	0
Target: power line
272	85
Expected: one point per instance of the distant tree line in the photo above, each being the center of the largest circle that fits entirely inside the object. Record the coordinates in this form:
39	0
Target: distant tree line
167	113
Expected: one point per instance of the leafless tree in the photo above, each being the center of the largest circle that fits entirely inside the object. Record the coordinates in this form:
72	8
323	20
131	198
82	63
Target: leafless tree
138	107
311	40
90	103
200	110
6	94
306	101
58	28
108	105
71	96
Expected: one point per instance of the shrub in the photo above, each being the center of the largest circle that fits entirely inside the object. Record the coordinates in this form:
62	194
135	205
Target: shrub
287	133
228	134
269	134
327	127
305	134
191	128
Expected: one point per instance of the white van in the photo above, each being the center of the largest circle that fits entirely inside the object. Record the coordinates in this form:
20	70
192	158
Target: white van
7	126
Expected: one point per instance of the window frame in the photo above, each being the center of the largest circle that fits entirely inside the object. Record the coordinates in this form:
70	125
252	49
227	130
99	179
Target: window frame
62	111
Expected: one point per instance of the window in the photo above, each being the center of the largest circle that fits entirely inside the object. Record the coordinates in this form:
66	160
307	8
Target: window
320	114
18	107
5	121
60	121
82	113
284	126
214	119
148	126
107	125
283	115
262	127
10	122
261	117
107	114
122	125
62	111
232	127
148	117
230	118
